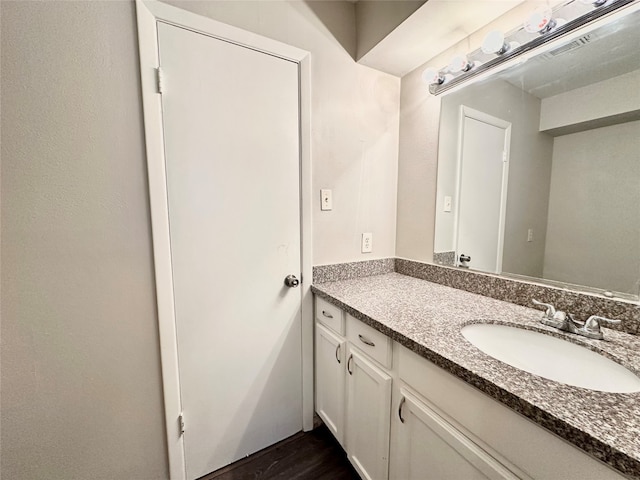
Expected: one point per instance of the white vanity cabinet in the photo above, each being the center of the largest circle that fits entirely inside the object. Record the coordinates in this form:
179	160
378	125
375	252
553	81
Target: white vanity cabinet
496	440
367	420
428	445
330	380
353	389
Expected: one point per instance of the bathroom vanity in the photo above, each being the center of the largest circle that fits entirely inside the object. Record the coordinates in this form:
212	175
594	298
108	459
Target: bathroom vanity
408	397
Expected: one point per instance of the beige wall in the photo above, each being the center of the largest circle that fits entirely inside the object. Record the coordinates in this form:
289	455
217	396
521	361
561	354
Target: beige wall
593	235
417	166
81	385
529	171
615	97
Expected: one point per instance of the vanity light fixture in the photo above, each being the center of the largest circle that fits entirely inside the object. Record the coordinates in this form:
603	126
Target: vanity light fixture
597	3
543	25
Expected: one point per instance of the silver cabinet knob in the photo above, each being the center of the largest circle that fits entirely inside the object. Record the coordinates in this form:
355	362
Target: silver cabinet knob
291	281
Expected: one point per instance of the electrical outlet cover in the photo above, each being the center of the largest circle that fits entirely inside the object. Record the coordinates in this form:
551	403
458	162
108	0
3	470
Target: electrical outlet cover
367	242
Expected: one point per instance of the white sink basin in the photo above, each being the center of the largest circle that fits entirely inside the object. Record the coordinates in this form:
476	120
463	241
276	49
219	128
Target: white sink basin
551	358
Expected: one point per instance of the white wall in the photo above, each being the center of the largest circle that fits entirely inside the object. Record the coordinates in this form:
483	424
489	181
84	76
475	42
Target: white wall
593	234
81	386
354	122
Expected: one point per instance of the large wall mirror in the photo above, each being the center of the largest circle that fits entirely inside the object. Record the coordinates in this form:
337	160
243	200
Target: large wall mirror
539	166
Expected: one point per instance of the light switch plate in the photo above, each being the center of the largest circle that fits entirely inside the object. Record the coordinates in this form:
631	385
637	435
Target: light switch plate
367	242
326	199
447	203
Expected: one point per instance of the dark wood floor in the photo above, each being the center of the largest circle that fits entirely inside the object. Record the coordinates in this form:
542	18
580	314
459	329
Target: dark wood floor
314	455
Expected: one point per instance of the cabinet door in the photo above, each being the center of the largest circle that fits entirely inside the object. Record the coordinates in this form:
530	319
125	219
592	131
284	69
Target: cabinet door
431	448
330	381
368	417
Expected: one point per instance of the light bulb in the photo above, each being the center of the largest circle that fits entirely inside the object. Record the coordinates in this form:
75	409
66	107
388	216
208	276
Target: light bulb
494	43
540	21
432	76
459	63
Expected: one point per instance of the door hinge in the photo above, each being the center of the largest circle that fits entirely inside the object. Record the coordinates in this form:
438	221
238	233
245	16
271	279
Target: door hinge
504	156
181	423
159	80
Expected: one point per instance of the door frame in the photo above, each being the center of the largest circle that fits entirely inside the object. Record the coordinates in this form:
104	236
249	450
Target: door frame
467	112
149	13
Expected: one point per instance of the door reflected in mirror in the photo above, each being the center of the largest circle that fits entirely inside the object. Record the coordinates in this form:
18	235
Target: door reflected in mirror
558	198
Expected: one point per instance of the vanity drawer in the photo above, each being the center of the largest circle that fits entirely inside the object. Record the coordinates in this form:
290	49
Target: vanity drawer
329	315
372	342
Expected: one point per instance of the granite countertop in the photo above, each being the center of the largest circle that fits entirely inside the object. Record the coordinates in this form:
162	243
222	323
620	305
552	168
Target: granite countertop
427	318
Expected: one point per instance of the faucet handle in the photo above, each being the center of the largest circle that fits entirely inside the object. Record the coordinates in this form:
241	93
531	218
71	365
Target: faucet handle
551	310
594	321
592	326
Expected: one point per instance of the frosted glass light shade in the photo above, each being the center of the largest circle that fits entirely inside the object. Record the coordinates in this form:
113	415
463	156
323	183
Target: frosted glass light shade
459	63
540	21
431	76
494	43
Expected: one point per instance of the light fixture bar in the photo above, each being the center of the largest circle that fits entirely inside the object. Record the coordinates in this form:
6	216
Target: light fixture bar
520	52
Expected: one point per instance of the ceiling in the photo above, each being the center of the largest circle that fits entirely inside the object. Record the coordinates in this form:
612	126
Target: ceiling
433	28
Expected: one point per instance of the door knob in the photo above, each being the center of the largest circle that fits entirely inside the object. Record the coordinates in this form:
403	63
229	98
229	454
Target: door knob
463	261
291	281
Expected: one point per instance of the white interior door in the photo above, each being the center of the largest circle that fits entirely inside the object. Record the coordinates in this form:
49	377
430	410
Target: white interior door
231	130
482	189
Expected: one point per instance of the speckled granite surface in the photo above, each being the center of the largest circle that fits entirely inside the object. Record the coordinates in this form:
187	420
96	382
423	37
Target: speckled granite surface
520	292
427	317
344	271
444	258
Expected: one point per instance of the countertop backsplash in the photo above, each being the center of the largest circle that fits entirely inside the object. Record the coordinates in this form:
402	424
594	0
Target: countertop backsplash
519	292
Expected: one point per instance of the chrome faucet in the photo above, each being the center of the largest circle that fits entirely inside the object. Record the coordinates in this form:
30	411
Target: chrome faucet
567	323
